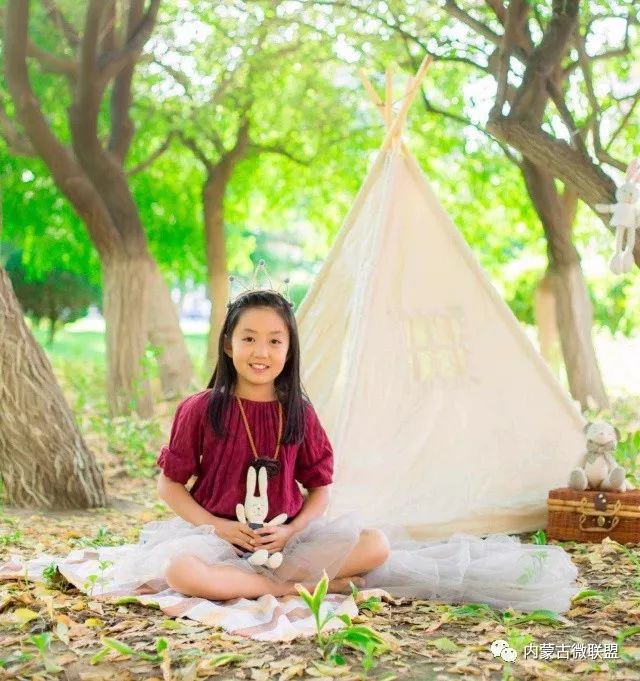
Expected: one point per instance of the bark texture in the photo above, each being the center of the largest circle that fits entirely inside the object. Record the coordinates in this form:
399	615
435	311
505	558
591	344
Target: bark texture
218	176
574	313
44	461
126	293
213	206
546	321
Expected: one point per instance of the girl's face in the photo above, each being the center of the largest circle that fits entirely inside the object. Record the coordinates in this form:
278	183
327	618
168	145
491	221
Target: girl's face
258	347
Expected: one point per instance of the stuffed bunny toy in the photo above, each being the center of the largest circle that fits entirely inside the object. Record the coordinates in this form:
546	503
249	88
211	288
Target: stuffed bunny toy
254	512
626	219
599	469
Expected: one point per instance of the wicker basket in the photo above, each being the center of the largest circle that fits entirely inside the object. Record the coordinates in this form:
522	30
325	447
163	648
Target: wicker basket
592	515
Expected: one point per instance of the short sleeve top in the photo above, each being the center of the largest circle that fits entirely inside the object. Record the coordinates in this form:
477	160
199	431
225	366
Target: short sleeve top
220	463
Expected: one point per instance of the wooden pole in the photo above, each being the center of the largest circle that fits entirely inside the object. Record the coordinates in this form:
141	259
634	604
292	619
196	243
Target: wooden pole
373	95
388	97
396	126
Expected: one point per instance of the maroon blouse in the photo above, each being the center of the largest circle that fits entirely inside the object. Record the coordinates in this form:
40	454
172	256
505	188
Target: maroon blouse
221	464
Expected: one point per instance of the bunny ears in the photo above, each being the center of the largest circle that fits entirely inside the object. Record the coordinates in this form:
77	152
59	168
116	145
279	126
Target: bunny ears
633	171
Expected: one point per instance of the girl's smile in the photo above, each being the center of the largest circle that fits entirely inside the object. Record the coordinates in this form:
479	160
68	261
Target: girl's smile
258	348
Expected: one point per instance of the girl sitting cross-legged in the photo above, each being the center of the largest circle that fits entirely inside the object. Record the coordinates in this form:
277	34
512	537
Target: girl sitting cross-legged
253	408
255	413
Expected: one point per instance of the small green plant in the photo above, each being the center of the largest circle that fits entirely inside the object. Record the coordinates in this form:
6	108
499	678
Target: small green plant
373	603
621	637
42	642
17	657
539	537
605	596
90	584
103	537
49	574
504	617
516	638
358	637
533	570
133	439
109	644
102	566
635	561
10	538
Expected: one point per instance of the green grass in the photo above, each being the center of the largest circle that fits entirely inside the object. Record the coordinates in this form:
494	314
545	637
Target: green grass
90	345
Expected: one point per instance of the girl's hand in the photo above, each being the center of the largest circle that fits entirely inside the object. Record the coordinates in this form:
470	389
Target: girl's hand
274	537
237	533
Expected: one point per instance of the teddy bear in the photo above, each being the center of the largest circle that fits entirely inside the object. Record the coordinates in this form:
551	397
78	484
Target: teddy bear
599	470
254	512
625	219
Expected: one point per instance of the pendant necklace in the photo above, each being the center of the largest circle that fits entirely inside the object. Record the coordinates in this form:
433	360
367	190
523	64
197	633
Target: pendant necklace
272	465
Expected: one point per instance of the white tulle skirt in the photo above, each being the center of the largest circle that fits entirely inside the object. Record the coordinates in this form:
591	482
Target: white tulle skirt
498	570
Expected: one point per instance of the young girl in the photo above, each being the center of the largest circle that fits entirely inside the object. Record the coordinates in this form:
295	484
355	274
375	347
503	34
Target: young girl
254	412
254	407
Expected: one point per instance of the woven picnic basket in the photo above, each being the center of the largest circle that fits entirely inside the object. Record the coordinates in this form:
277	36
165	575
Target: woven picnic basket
592	515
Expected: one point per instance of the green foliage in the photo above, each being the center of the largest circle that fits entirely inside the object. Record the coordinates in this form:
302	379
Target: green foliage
539	537
586	594
49	574
42	642
59	296
627	454
133	439
358	637
11	538
112	644
103	537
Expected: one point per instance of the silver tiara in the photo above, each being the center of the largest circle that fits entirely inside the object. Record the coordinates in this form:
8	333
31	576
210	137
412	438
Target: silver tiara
260	281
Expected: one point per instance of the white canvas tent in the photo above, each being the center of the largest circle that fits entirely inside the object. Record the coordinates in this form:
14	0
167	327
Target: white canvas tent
442	415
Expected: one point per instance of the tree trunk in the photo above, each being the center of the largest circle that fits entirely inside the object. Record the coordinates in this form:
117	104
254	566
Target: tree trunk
546	315
44	461
174	361
573	307
213	203
126	301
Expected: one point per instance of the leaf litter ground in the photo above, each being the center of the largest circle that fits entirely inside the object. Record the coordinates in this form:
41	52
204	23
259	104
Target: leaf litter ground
427	640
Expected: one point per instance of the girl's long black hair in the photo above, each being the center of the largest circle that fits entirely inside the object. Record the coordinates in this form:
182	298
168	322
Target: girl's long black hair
288	386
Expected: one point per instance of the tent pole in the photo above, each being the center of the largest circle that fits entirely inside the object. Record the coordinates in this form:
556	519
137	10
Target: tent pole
415	84
388	101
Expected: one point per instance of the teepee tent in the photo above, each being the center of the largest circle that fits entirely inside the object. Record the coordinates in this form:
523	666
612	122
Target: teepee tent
442	415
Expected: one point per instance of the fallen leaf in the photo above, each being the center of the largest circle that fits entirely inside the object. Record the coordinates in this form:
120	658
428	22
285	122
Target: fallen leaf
293	670
445	645
23	616
94	622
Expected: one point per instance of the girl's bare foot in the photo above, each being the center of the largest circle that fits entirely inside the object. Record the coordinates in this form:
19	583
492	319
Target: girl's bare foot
340	585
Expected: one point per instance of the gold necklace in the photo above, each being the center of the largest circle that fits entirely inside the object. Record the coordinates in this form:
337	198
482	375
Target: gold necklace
272	465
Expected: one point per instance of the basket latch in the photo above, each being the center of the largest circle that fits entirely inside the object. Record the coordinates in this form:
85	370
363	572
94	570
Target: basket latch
606	519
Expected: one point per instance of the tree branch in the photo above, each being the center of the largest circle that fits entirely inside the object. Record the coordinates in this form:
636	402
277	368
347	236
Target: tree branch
569	165
277	149
143	165
61	162
452	8
110	63
122	128
59	21
545	58
88	94
52	62
196	150
18	143
515	17
623	122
